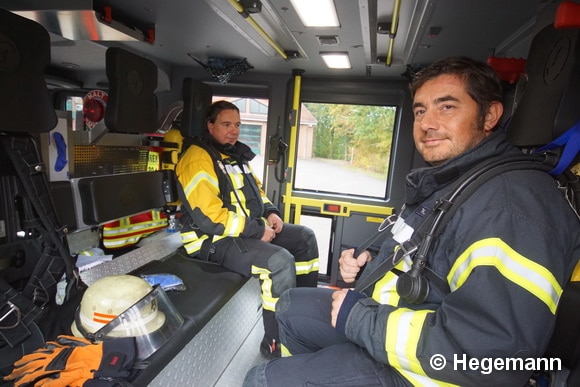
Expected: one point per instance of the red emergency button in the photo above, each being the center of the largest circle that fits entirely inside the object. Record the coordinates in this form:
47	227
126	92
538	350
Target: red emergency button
334	208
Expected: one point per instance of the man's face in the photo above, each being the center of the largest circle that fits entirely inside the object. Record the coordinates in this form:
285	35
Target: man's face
446	119
226	128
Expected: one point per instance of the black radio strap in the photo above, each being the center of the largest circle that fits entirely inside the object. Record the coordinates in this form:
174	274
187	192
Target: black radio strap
418	246
55	258
23	152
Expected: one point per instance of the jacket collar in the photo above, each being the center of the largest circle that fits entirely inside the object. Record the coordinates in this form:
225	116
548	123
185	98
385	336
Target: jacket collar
423	182
239	151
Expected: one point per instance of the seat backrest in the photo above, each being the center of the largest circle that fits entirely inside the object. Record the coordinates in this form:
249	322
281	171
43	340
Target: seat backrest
550	103
565	342
25	104
131	106
549	106
196	100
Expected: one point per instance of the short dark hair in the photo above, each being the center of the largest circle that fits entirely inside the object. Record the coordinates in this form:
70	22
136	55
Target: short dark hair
216	108
482	82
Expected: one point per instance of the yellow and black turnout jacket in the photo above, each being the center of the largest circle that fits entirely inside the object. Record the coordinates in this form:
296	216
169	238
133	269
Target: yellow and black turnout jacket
223	196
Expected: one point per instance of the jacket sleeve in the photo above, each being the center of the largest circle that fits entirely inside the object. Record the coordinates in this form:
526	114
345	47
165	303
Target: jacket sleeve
505	289
197	175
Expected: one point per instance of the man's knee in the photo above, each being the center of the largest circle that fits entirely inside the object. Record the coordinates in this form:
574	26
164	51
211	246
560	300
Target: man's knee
283	269
310	240
283	302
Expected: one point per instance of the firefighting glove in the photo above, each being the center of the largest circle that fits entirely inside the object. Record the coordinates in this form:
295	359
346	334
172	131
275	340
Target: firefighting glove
72	361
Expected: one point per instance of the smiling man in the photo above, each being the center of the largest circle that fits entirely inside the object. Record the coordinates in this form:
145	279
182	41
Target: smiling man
496	272
447	119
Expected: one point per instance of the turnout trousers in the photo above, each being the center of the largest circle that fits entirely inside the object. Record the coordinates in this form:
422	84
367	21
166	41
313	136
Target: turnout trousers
290	260
319	355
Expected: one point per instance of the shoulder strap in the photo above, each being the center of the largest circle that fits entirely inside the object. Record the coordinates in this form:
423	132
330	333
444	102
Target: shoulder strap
23	153
420	243
570	142
25	307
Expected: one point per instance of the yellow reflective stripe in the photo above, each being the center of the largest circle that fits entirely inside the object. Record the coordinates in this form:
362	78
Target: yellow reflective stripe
156	215
404	327
385	290
234	225
201	176
520	270
268	301
188	236
236	175
131	231
403	332
193	247
423	380
191	242
284	351
306	267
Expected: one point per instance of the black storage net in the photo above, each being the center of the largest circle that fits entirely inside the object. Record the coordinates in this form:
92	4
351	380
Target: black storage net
224	69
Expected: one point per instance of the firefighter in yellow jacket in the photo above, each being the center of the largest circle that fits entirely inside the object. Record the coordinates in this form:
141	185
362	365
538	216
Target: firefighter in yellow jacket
228	219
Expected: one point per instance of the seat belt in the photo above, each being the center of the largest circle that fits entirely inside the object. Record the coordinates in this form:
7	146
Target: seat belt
55	258
418	246
23	153
570	141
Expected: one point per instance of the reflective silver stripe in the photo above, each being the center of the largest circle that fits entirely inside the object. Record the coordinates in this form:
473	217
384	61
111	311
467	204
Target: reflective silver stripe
236	175
306	267
235	225
520	270
199	177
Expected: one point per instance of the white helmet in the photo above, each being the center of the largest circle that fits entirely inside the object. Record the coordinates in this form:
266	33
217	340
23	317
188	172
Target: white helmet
127	306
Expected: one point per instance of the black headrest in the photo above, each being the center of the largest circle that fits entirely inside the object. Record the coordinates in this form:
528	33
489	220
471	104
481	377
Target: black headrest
550	103
131	105
196	100
25	105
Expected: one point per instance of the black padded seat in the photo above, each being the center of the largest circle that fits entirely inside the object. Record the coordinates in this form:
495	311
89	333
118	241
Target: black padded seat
550	100
209	288
25	55
564	343
547	108
132	105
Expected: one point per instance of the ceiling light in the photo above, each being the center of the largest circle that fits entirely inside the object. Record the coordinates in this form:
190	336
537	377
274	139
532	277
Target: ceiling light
316	13
336	60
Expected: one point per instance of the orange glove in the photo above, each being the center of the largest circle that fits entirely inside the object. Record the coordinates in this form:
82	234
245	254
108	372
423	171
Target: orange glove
70	361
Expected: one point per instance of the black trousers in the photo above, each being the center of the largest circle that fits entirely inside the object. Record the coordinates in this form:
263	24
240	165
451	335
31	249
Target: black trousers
290	260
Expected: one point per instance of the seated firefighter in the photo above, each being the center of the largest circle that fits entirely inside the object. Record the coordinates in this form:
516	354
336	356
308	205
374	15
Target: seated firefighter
504	258
228	219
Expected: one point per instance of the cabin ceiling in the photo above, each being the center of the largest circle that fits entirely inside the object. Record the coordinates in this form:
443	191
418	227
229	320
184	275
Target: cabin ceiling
213	28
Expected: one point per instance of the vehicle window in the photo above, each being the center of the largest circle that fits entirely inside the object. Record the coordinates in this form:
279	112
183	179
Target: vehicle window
344	149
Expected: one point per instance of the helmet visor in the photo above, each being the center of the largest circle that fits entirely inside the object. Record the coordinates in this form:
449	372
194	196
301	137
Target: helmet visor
152	321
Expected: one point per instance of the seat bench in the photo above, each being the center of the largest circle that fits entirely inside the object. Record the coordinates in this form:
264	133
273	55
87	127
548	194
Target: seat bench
208	288
219	308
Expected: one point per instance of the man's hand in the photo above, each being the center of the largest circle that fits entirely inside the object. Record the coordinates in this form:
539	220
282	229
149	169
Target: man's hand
269	234
275	222
337	299
350	266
